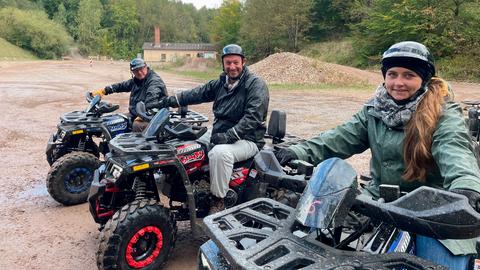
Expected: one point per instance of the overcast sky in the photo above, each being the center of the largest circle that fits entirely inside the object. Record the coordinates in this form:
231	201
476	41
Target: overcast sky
207	3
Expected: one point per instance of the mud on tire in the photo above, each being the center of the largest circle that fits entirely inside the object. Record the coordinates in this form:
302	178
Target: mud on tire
139	236
70	177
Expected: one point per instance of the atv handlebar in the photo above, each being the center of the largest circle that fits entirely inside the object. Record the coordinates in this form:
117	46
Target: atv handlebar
98	107
427	211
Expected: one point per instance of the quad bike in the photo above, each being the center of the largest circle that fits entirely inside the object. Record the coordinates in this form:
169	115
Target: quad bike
334	226
73	153
152	180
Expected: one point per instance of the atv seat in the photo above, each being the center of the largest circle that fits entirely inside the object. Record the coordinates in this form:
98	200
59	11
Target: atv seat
277	126
276	131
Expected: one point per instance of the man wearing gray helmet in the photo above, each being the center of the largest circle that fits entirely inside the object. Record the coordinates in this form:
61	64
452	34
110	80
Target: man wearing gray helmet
240	104
145	85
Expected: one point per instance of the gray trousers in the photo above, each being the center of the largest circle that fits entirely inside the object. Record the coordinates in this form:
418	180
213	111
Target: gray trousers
222	157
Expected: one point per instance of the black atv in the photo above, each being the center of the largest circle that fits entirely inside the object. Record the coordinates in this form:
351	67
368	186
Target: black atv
154	179
74	155
335	227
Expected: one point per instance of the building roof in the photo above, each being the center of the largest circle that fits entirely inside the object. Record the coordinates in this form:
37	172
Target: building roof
179	46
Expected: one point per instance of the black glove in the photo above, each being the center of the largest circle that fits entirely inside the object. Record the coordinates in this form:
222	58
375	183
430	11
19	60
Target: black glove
165	102
108	90
285	155
472	196
221	138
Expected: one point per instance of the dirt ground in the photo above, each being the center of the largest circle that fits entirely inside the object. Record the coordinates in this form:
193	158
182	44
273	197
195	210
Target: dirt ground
36	232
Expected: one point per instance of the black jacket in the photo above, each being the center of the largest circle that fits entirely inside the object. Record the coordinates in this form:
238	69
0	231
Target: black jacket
150	89
241	113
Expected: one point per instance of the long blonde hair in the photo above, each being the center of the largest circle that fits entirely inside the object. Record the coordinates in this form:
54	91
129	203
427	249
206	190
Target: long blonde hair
419	131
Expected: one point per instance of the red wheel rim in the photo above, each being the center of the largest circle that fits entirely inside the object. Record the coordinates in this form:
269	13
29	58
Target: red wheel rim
144	247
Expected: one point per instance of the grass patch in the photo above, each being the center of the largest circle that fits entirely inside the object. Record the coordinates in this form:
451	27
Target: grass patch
9	52
335	51
459	68
208	75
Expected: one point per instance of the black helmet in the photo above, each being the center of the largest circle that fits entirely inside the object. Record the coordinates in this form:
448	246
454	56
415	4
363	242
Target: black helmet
411	55
232	49
137	63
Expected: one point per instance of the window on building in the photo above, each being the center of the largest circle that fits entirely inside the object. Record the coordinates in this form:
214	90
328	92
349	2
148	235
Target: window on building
189	55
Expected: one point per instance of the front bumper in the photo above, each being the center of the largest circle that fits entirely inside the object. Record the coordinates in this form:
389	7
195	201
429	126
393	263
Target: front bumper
51	144
210	257
97	189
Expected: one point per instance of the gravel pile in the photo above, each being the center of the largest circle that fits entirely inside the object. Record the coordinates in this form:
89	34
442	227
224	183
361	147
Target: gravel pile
291	68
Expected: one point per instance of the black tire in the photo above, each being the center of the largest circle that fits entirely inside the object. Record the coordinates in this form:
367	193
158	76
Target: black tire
146	216
59	152
70	177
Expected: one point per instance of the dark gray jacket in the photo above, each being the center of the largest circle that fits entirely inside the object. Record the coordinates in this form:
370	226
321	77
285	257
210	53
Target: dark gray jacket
241	111
150	89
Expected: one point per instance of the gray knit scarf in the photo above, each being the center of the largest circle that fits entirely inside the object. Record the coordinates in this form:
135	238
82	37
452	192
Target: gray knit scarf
391	113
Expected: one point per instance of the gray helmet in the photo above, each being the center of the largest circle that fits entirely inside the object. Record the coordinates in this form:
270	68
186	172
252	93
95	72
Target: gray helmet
232	49
137	63
413	53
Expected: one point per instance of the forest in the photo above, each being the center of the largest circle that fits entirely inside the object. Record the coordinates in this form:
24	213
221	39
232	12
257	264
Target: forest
118	28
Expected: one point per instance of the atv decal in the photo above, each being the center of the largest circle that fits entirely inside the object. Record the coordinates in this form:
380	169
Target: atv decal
79	131
188	148
199	155
115	121
238	176
162	162
121	126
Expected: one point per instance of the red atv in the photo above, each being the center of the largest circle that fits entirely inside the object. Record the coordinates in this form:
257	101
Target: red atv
152	180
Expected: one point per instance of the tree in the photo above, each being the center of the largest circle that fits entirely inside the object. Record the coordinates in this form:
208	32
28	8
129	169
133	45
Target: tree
225	26
296	20
276	25
202	20
88	23
436	24
122	26
61	15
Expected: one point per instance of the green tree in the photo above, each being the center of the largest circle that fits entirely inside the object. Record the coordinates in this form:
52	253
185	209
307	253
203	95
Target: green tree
225	25
202	20
61	15
276	25
330	19
177	21
296	20
437	24
122	26
88	23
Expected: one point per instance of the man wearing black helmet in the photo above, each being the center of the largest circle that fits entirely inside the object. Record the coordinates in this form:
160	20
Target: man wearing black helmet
145	85
417	136
240	104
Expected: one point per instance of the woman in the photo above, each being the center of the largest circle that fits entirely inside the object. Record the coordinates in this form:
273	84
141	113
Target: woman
417	136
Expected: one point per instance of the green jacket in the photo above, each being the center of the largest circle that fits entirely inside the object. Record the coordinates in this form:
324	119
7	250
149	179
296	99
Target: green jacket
456	166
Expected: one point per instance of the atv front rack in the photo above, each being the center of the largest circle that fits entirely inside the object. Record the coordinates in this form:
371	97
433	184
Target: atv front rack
136	143
79	117
263	234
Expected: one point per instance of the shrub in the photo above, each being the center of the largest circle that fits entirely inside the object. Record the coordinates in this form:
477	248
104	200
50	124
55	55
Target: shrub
32	30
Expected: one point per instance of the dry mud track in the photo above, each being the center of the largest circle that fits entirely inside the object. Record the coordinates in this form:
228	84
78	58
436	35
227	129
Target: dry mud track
36	232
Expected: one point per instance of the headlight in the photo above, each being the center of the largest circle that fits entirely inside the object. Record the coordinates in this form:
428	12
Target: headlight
62	134
116	171
203	262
